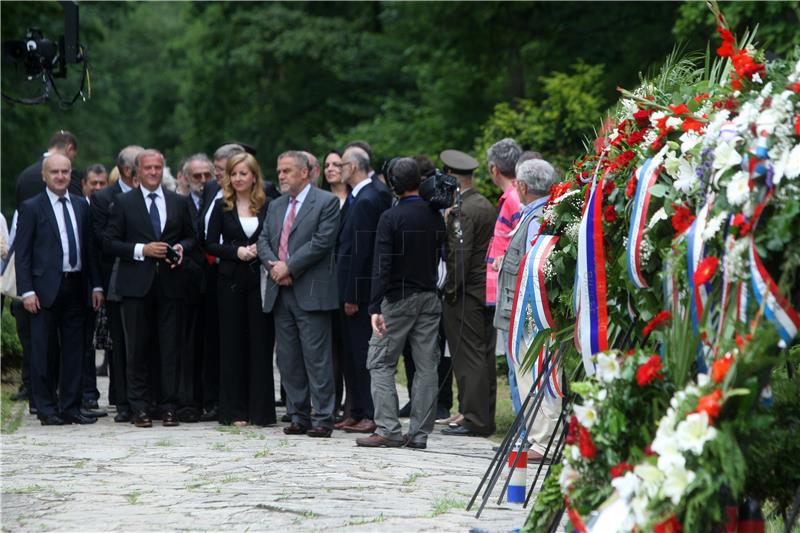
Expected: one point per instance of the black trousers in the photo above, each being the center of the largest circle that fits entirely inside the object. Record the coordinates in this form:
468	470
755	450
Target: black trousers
338	351
152	319
66	318
89	371
211	362
118	372
445	371
357	332
23	320
247	342
190	366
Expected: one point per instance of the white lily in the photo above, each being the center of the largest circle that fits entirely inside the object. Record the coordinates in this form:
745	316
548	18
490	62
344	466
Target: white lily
676	482
586	414
738	189
608	368
694	432
651	478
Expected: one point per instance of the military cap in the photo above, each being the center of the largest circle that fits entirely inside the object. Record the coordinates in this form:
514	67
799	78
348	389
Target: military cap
458	162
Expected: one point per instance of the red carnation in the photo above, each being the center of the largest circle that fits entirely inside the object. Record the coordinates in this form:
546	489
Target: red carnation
609	213
680	109
636	137
682	218
691	124
797	123
608	187
620	469
720	368
705	270
585	445
630	187
710	404
624	158
741	224
649	370
642	117
670	525
656	321
572	431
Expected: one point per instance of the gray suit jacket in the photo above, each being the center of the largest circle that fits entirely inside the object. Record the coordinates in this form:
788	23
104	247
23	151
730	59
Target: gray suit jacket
507	278
311	243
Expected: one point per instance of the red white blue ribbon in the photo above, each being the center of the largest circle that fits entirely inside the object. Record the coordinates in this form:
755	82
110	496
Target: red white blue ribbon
646	178
540	252
695	250
518	329
777	308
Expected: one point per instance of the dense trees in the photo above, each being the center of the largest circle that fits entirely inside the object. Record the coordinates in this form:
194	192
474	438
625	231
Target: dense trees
409	77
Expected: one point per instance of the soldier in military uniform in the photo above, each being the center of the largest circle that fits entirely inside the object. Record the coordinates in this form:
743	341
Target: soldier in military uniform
467	319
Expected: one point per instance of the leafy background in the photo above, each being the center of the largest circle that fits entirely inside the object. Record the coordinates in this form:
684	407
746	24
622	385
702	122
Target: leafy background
409	77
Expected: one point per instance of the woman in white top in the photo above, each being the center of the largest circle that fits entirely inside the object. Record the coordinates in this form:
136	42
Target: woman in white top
247	334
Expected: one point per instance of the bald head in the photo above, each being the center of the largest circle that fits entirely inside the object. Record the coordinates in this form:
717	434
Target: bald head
355	165
56	172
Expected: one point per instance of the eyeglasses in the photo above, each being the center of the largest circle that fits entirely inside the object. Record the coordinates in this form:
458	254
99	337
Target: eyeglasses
206	175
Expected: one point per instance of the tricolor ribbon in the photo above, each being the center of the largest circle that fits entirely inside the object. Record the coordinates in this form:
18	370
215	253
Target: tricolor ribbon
646	177
777	308
520	308
539	254
699	294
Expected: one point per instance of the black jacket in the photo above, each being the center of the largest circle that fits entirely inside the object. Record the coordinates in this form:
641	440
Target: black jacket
226	224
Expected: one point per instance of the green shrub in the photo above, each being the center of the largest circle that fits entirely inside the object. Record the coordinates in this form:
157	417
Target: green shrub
10	347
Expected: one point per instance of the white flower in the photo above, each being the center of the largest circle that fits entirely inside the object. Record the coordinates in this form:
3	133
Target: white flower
670	461
686	179
689	140
755	79
792	168
767	121
676	482
657	217
673	122
655	117
725	156
626	485
651	478
586	414
671	163
694	432
608	368
738	189
639	507
713	226
567	477
702	380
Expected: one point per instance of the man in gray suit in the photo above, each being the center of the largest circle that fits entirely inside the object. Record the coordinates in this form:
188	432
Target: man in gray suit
296	247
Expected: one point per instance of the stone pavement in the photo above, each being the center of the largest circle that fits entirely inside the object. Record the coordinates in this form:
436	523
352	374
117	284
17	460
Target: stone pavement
115	477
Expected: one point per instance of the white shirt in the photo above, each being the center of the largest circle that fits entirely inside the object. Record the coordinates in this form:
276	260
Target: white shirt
249	225
58	210
124	186
161	205
361	185
210	209
299	199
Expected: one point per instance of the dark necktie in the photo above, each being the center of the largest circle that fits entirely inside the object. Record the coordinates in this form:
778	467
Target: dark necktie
155	218
73	245
350	198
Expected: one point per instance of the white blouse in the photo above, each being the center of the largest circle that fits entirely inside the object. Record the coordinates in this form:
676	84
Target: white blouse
249	225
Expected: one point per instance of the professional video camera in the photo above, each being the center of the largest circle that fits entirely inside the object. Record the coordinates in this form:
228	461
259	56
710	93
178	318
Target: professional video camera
43	58
437	188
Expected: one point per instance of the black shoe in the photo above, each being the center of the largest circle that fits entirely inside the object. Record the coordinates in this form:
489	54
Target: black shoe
93	411
295	429
405	411
188	414
91	404
169	419
21	395
123	415
79	419
211	415
459	431
409	443
141	420
286	418
52	420
32	410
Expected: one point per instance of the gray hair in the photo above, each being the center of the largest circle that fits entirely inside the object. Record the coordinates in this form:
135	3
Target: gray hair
360	158
227	150
527	155
504	155
538	175
147	152
96	168
299	156
203	158
127	156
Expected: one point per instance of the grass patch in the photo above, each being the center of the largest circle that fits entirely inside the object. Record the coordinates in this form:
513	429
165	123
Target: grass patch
442	505
310	514
229	429
133	497
260	455
11	412
220	447
164	443
28	489
412	478
361	520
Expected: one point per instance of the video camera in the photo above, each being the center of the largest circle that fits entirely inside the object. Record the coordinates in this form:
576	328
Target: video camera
437	188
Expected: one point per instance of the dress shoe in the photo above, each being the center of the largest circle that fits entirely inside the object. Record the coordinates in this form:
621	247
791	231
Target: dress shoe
141	420
52	420
95	413
365	425
416	445
405	411
123	416
344	423
378	441
78	419
188	414
295	429
91	404
21	395
319	432
211	415
169	419
459	431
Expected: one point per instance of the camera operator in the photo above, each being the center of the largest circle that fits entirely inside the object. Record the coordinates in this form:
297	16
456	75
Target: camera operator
404	304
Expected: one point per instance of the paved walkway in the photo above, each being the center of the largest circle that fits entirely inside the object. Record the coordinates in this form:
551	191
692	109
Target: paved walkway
203	476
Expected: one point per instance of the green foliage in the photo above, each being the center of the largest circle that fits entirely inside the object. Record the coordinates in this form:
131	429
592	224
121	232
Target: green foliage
547	505
11	347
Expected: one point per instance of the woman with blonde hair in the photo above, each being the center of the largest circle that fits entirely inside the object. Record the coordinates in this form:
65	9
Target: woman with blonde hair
247	335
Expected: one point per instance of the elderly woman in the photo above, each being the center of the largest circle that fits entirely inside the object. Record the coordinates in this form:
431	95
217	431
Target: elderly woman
247	335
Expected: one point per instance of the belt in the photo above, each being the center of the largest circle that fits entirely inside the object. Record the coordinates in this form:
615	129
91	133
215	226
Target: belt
71	275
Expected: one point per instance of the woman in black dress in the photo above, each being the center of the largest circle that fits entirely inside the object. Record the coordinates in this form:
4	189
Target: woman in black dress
247	334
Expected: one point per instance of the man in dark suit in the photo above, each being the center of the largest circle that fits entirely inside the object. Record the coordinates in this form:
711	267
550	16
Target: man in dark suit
100	207
147	227
296	245
354	274
377	180
56	265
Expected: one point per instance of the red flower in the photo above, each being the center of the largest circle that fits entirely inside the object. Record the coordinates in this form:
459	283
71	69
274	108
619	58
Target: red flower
797	122
726	35
670	525
608	187
736	85
720	367
745	66
792	87
691	124
620	469
680	109
585	445
726	50
649	370
705	270
630	187
700	97
572	431
648	452
624	158
682	218
710	404
656	321
559	189
741	224
636	137
642	117
609	213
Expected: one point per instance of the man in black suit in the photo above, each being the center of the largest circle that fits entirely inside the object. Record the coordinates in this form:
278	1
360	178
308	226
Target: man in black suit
354	273
101	204
150	231
56	265
377	180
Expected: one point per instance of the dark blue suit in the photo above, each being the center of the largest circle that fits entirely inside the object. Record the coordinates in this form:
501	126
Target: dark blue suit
64	300
354	275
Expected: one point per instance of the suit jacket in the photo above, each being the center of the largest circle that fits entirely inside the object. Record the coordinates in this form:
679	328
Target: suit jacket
507	277
356	243
30	182
39	256
99	211
311	242
226	224
211	188
129	225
